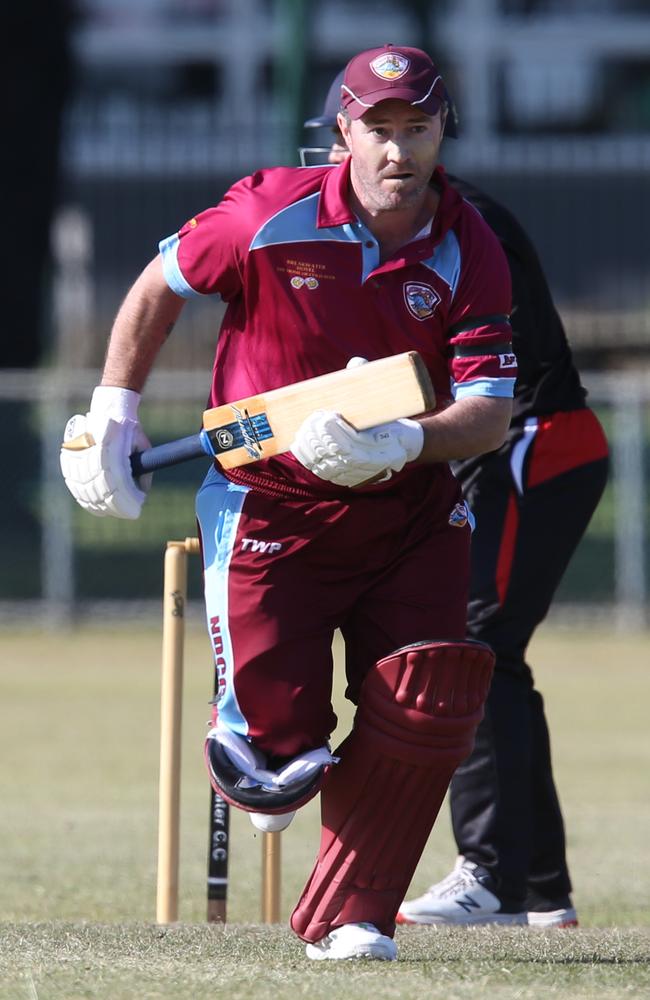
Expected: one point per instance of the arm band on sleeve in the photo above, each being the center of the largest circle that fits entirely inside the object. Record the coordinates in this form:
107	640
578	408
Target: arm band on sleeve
473	322
474	350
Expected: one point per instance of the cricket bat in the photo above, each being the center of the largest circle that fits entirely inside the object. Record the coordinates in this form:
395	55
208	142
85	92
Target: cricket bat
258	427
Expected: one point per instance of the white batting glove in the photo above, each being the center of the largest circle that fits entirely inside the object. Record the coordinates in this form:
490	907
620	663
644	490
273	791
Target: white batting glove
333	450
98	473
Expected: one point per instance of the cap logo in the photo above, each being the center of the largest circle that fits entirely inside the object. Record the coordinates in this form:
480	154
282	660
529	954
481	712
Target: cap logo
390	65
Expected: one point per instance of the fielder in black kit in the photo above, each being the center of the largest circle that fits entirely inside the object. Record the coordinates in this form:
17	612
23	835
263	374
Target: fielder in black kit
533	500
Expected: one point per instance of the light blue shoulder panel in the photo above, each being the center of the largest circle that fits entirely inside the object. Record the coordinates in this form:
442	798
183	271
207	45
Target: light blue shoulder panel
297	223
446	261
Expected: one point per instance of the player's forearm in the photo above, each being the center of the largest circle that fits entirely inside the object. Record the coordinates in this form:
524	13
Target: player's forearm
143	323
469	427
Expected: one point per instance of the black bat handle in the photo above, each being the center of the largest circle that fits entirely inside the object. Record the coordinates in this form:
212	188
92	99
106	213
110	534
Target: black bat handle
172	453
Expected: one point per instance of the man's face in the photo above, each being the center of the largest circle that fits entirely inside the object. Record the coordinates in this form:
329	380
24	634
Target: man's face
394	150
338	150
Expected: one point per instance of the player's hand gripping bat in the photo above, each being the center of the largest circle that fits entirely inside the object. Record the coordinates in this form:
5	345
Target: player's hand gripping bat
261	426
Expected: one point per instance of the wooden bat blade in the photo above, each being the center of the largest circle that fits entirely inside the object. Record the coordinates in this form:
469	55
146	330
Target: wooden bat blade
264	425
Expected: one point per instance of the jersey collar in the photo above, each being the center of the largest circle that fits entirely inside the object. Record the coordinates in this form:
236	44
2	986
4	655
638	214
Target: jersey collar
333	208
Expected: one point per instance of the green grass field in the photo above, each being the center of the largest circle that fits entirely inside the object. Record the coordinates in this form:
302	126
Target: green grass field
78	774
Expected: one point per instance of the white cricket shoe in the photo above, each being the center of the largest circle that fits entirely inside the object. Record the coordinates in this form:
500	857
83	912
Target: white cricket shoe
354	941
462	898
271	822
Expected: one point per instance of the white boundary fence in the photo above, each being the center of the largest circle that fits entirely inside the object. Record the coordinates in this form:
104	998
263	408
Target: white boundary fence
56	394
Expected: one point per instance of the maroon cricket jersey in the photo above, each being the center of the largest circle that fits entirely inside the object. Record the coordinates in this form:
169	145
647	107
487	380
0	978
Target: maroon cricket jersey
306	292
287	557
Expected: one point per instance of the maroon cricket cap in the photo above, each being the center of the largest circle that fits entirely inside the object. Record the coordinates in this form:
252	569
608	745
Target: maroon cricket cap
391	73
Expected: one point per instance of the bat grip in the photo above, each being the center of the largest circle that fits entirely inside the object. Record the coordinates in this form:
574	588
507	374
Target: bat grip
172	453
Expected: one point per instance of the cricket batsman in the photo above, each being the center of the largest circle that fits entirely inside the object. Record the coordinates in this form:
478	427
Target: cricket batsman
367	531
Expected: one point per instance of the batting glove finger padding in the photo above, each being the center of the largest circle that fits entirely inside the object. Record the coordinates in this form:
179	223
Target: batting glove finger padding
333	450
99	475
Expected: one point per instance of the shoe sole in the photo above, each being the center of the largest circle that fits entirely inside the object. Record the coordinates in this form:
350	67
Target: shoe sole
516	919
382	955
552	918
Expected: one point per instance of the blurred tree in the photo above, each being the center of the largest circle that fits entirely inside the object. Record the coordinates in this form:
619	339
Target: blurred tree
289	72
34	82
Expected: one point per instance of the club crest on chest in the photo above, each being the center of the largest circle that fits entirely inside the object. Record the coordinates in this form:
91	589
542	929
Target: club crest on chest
421	300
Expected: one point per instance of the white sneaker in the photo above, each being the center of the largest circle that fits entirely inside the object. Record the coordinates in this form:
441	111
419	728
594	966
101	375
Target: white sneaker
439	888
271	822
354	941
566	916
461	898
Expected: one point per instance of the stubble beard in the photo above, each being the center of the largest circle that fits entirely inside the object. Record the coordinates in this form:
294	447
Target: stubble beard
378	199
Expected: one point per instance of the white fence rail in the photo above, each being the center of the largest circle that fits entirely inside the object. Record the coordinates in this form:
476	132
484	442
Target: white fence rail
54	395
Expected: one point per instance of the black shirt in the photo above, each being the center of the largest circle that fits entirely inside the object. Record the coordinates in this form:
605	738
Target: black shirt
547	379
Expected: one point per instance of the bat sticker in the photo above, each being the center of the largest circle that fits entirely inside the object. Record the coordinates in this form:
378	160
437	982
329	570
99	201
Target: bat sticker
245	432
